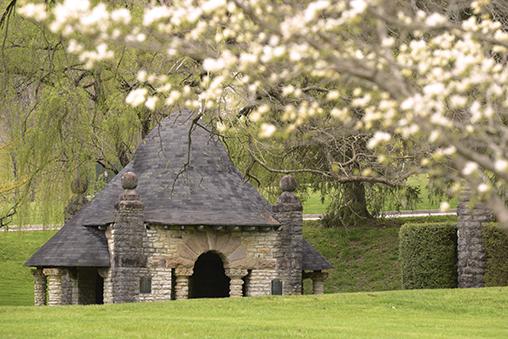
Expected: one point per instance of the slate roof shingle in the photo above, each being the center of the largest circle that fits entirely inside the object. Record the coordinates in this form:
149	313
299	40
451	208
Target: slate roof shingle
312	259
74	245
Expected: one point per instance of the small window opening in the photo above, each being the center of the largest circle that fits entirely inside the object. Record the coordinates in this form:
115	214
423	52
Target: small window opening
145	285
276	287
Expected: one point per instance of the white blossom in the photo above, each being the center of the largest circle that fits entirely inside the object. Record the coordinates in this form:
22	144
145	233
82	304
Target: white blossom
151	102
34	11
379	137
501	165
444	206
136	97
121	15
267	130
483	188
470	168
435	19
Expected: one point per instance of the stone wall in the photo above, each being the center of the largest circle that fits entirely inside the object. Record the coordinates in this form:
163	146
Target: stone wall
39	287
470	251
155	251
260	282
174	248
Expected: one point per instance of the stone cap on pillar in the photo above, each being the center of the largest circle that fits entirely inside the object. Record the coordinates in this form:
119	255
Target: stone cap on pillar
129	199
288	201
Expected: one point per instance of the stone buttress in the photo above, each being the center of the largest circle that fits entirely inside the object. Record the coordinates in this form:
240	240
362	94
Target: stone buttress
125	241
288	211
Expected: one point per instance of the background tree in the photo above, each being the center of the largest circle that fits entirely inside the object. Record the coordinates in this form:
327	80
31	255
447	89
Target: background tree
59	121
419	78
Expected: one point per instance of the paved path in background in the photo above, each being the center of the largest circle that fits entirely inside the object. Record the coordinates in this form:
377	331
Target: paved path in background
389	214
28	228
396	214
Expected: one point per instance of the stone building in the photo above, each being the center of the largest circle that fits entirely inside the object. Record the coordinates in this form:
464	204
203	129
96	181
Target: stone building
178	222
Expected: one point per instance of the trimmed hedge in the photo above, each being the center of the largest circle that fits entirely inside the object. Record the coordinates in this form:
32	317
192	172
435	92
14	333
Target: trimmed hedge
496	251
428	255
431	219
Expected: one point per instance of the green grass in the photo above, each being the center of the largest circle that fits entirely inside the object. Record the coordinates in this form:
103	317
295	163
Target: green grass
458	313
16	283
364	258
313	203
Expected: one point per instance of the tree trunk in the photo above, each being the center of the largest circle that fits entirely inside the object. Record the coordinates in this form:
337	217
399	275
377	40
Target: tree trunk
349	207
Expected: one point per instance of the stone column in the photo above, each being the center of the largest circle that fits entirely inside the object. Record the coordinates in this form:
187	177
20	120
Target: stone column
54	281
470	251
125	240
318	282
105	273
236	281
182	282
288	211
39	287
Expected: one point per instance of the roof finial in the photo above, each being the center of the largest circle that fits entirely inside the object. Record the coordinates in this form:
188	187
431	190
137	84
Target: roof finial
129	198
288	183
129	181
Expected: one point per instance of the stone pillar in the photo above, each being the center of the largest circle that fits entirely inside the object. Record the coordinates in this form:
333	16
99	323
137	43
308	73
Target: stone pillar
39	287
288	211
182	282
470	251
125	240
236	281
105	273
54	282
318	282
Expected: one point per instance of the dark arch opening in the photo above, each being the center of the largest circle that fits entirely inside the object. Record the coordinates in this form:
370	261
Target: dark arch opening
209	279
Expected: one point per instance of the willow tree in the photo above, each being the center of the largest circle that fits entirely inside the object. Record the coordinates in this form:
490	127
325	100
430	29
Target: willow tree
61	122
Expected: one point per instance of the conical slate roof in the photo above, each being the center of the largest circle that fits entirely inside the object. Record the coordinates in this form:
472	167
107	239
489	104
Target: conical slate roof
185	185
178	185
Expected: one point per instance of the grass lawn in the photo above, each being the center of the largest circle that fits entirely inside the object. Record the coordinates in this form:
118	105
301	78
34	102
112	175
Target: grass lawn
16	283
364	259
457	313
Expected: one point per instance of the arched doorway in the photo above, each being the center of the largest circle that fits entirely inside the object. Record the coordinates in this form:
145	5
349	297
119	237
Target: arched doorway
209	279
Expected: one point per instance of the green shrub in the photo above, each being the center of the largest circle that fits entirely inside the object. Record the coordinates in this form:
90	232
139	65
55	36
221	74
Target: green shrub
496	251
428	255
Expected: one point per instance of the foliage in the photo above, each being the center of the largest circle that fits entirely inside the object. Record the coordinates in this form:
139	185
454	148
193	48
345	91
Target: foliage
419	313
60	121
496	251
16	281
428	255
430	87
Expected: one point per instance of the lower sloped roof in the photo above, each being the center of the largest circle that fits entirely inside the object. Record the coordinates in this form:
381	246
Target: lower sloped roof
74	245
312	259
